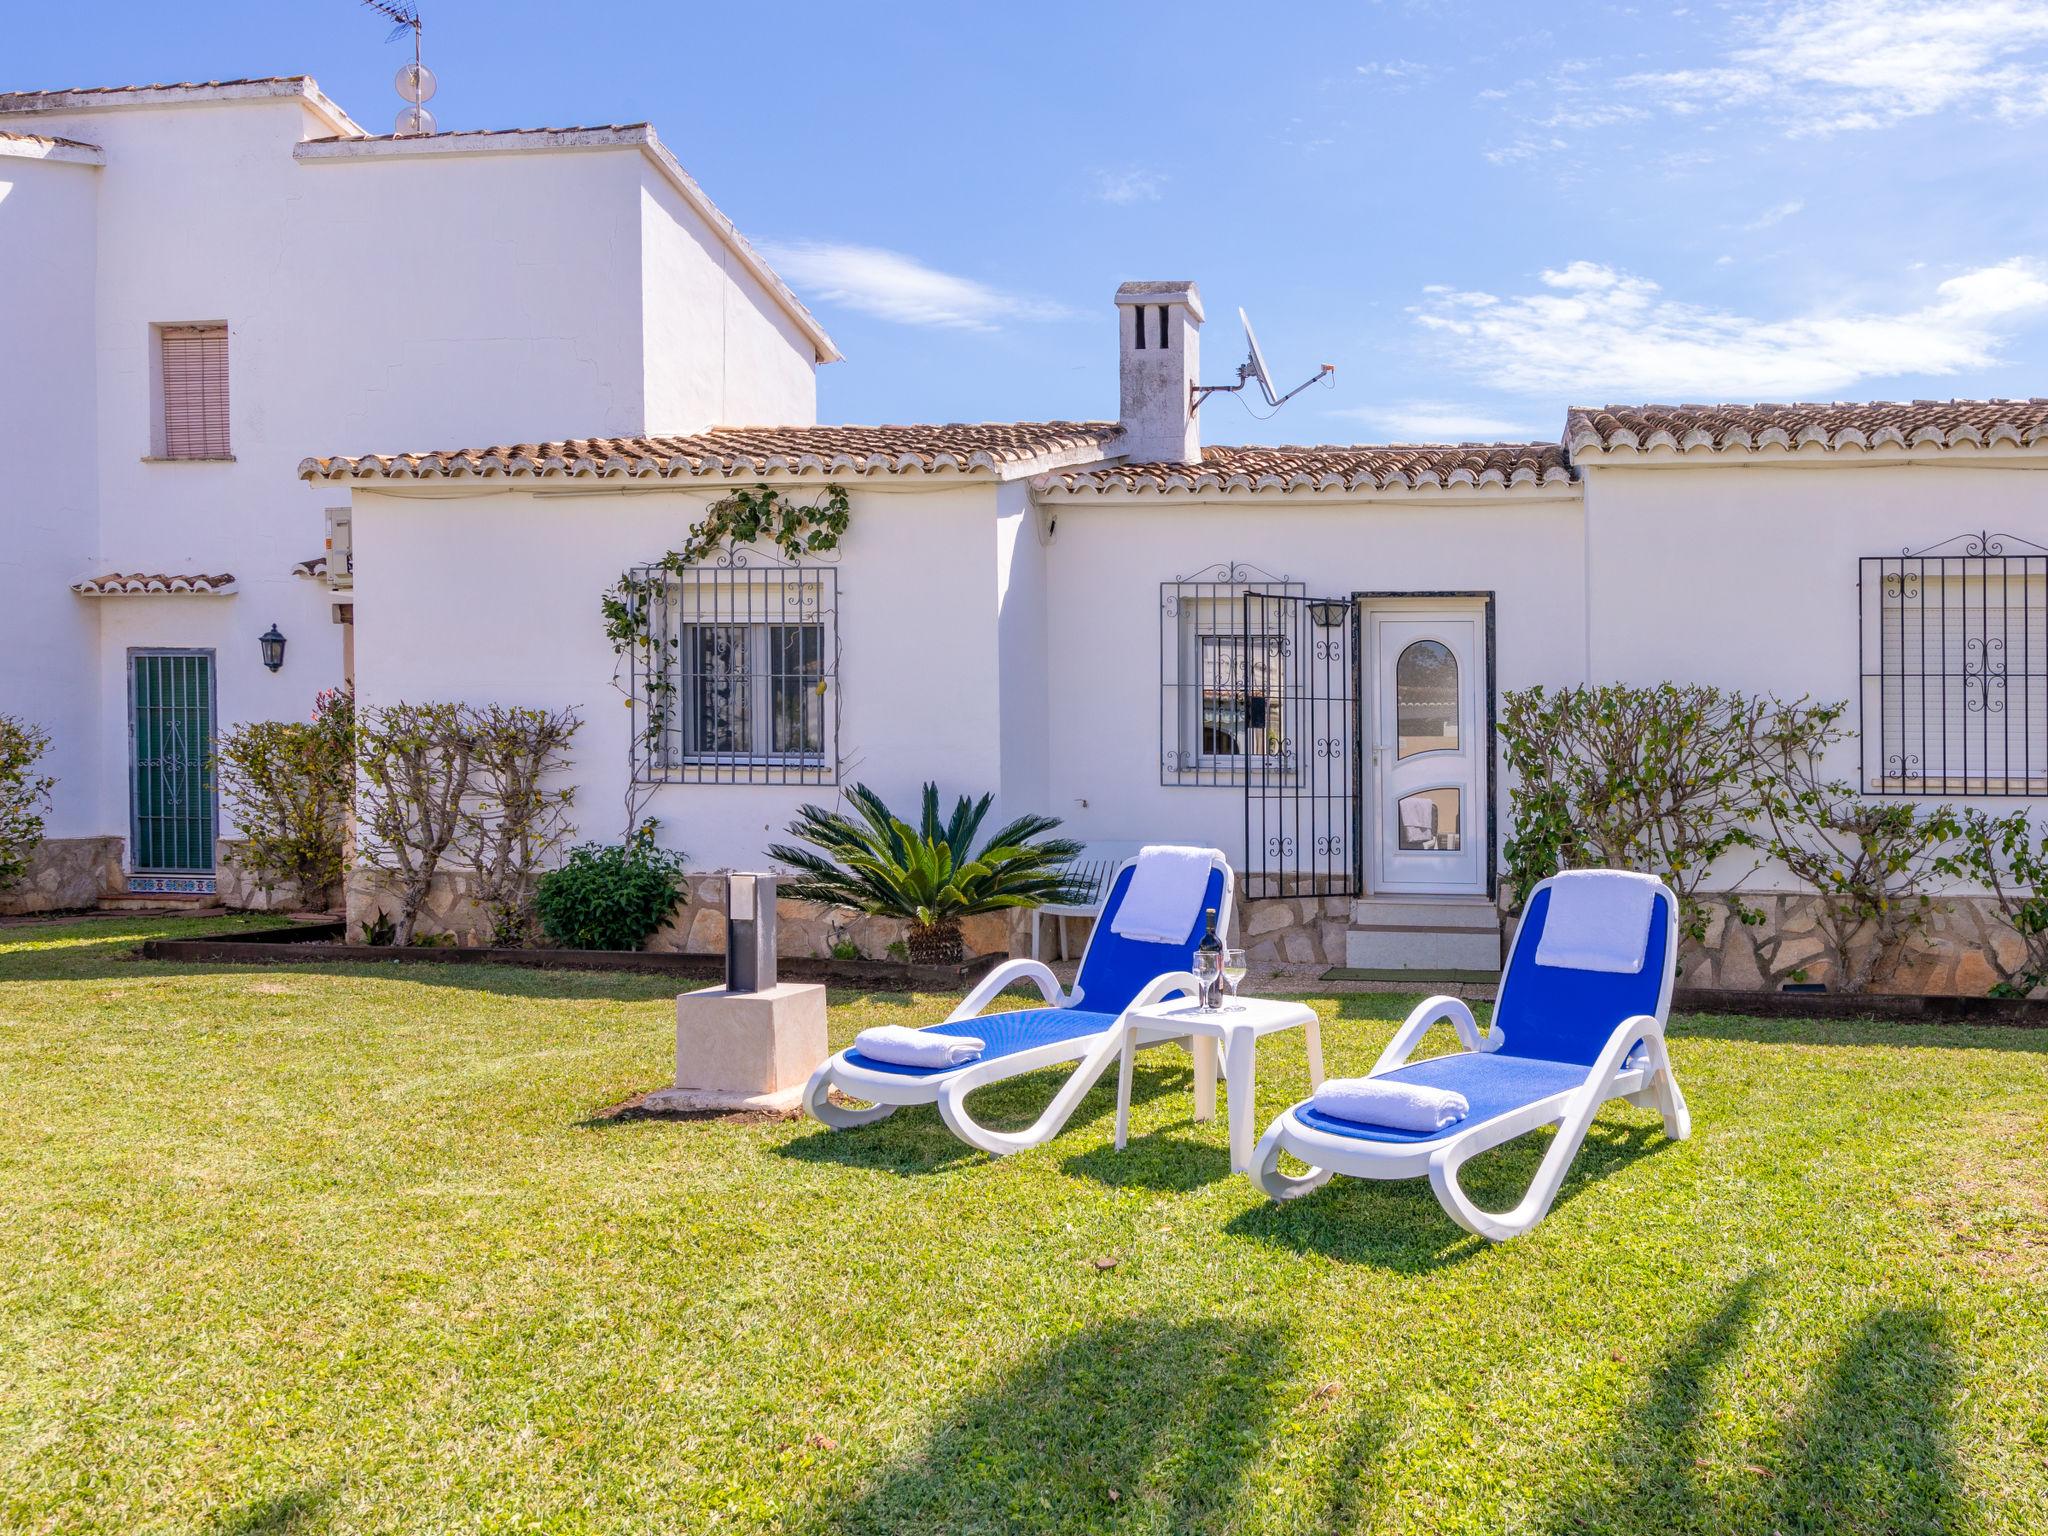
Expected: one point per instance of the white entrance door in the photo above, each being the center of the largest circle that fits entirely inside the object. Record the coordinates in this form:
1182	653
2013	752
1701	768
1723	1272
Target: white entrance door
1426	668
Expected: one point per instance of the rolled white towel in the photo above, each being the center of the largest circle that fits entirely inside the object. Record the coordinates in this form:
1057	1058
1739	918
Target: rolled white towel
1397	1106
902	1046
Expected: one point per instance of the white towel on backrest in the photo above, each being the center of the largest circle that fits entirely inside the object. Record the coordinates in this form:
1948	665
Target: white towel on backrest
902	1046
1599	920
1166	894
1398	1106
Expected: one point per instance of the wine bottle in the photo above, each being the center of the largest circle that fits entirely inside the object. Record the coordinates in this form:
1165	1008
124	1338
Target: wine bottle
1211	971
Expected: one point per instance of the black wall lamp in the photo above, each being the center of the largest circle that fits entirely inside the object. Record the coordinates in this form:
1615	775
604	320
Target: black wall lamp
272	646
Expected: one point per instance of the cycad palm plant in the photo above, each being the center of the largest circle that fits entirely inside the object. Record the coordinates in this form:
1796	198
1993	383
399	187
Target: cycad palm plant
872	862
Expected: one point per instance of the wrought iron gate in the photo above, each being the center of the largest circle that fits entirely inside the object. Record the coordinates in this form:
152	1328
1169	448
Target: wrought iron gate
170	728
1301	805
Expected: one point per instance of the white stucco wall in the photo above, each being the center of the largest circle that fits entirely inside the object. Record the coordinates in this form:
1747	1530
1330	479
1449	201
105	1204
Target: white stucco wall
384	300
1744	574
1109	556
717	351
48	509
493	597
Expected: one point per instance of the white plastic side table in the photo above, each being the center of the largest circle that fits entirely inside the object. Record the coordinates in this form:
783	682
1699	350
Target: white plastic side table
1236	1031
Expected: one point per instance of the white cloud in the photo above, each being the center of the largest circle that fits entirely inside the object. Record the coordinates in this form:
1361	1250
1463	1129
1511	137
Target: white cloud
1595	332
1525	147
1433	421
1128	186
1397	74
893	286
1837	66
1777	215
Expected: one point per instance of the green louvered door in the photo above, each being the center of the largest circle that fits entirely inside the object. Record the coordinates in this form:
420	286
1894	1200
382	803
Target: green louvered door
170	724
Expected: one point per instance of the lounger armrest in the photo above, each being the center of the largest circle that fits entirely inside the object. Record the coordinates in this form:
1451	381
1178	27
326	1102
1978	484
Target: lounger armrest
1007	974
1163	986
1427	1012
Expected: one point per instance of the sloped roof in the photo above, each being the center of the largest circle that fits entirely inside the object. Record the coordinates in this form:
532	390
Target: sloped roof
139	584
1353	467
1833	426
999	448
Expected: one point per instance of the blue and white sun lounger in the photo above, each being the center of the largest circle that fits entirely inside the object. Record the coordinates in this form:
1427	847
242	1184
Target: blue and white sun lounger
1083	1026
1566	1038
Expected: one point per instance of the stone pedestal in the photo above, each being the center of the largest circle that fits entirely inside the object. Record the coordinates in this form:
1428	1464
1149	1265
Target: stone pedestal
745	1050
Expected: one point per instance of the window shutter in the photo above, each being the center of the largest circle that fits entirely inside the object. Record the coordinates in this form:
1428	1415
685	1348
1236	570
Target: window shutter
195	391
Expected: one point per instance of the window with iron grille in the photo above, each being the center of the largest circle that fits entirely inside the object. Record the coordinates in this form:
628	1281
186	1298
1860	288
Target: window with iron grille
1222	675
739	683
192	387
1955	669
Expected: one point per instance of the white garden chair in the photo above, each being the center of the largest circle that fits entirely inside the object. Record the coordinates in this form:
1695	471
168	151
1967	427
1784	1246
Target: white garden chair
1565	1040
1084	1026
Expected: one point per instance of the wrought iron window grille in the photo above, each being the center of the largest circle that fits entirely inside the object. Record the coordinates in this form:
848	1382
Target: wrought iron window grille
738	681
1222	679
1954	645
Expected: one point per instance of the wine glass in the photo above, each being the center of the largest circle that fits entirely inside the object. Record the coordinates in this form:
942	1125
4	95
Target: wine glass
1233	973
1208	966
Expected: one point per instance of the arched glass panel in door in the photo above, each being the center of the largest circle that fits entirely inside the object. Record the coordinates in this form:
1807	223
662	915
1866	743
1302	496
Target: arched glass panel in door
1426	699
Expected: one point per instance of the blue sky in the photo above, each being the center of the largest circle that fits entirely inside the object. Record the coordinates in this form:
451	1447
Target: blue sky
1479	212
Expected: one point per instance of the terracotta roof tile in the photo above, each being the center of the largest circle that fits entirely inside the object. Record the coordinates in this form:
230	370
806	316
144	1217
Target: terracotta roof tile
316	567
137	584
1359	467
44	138
9	98
473	133
1837	425
961	447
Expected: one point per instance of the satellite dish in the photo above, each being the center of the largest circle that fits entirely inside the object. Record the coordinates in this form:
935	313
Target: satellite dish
1253	368
1257	361
414	121
416	83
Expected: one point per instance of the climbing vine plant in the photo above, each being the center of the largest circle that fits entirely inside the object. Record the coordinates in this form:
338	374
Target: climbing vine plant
763	513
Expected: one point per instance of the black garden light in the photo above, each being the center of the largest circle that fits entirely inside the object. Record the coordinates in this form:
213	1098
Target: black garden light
271	642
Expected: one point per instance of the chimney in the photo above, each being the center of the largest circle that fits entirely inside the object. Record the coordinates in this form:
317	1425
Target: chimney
1159	327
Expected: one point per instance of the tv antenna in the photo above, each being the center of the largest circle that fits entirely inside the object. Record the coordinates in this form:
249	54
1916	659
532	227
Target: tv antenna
416	83
1251	369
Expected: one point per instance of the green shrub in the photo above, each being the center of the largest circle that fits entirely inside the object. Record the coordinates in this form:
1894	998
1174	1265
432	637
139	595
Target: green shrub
611	896
1666	779
2009	857
287	784
24	795
932	874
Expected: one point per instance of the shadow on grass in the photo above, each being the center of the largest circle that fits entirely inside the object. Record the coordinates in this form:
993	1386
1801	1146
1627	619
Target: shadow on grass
279	1515
915	1140
1867	1455
1653	1467
1397	1223
1158	1160
1872	1453
1147	1422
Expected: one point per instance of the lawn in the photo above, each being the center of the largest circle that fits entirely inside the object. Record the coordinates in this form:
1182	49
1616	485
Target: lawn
351	1249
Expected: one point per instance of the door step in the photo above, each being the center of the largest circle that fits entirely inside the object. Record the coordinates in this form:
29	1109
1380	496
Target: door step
1424	934
160	901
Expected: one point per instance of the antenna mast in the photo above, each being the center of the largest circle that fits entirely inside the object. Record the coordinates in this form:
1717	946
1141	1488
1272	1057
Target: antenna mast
415	82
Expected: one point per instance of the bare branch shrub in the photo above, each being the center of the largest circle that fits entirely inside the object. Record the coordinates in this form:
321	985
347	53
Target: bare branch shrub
513	821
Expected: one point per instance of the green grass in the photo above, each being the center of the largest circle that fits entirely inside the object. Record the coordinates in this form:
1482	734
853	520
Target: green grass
345	1249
